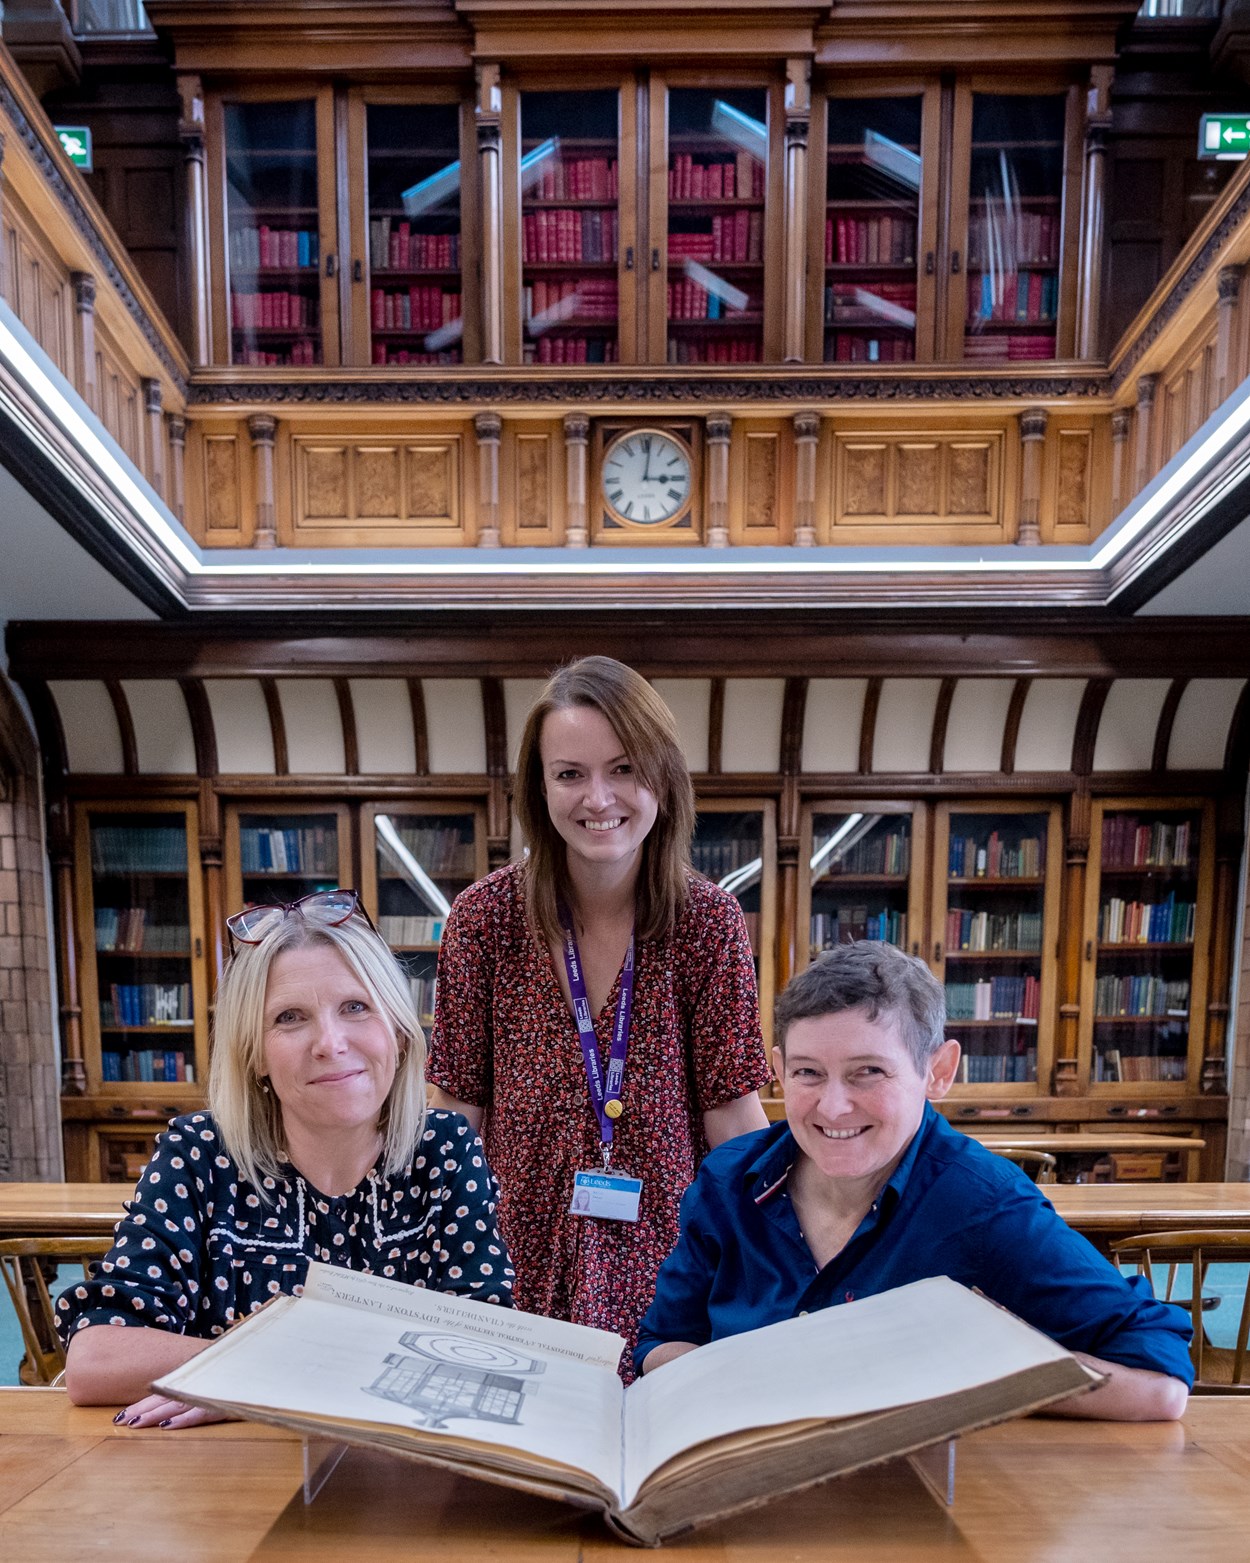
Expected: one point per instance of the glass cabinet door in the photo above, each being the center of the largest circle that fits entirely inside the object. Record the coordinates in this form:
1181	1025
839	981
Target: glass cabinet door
735	846
143	995
873	229
413	286
275	855
1144	995
995	926
275	240
863	869
570	227
712	218
416	864
1014	243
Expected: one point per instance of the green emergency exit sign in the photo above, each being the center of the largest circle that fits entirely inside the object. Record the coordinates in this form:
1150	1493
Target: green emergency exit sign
1224	136
76	139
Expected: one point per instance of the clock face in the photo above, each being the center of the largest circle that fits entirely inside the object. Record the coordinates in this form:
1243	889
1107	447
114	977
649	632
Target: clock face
646	477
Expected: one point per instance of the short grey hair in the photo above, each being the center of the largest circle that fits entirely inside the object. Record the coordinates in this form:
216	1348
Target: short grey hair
880	980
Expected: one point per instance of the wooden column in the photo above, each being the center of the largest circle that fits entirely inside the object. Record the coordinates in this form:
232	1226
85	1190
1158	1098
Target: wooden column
806	440
156	435
61	853
1229	840
1072	916
1229	284
789	808
1121	422
4	241
794	263
1142	441
498	815
490	183
1093	211
84	336
263	429
576	438
1032	441
489	427
215	912
176	498
719	426
191	134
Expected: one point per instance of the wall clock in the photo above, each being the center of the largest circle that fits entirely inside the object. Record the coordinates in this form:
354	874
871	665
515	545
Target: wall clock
646	478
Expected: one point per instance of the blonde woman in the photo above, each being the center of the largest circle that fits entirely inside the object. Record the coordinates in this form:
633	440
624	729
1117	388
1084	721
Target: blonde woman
317	1145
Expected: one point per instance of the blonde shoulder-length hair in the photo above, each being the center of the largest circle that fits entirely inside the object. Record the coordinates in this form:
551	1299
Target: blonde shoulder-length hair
648	735
248	1115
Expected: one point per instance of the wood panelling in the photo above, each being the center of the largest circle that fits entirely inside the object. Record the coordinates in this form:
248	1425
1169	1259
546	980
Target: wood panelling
951	485
358	490
1076	479
219	483
120	396
39	287
1187	391
762	482
534	483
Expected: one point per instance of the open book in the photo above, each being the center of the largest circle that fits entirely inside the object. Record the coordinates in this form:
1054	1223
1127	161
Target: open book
535	1403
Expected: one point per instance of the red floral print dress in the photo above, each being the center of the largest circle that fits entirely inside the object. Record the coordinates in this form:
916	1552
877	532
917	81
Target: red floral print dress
504	1039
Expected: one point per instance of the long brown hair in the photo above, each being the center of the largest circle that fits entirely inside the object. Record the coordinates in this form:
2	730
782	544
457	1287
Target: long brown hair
648	735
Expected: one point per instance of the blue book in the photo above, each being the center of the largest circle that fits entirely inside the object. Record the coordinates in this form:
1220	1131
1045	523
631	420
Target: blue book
302	248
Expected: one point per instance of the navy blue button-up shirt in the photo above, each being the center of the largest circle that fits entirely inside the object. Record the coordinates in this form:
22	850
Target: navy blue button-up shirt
951	1208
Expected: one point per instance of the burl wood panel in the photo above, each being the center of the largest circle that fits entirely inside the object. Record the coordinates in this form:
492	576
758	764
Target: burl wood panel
533	483
361	490
930	480
1073	497
219	484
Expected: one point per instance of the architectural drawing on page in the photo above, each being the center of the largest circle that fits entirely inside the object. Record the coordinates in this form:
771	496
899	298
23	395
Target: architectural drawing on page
451	1377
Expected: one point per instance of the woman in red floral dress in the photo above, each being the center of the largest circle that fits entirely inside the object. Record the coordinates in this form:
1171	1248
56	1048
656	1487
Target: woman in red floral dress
607	809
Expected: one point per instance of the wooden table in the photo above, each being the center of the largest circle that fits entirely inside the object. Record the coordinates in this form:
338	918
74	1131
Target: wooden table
61	1209
1094	1144
1036	1491
1111	1210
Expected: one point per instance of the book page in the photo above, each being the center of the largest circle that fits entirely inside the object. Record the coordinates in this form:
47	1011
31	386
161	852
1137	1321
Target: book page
918	1342
310	1356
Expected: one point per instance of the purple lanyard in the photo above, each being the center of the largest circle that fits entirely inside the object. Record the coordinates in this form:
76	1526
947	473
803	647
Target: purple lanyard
605	1097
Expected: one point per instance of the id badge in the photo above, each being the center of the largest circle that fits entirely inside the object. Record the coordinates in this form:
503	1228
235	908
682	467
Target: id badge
611	1196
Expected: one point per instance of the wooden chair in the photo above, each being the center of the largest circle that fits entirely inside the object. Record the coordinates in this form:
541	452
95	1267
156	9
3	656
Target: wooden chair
1040	1165
1215	1367
23	1260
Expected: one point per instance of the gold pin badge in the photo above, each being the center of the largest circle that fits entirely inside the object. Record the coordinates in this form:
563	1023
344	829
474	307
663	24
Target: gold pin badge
614	1108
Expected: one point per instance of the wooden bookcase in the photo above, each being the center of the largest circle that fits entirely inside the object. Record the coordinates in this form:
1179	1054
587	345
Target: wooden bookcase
278	852
863	869
735	846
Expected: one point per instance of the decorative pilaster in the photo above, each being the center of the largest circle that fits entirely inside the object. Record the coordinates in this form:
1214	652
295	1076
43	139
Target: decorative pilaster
794	262
1229	285
1071	953
719	426
4	237
1143	442
1093	211
489	427
1032	443
806	440
489	113
156	435
191	134
61	853
84	336
576	441
263	430
176	499
1121	423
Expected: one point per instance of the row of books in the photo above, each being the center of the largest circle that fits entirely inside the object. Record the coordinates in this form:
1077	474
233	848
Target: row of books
300	354
131	849
441	850
1141	995
998	1068
307	849
568	236
126	930
1031	239
735	236
887	854
845	924
394	247
1013	348
741	180
1127	842
577	179
994	858
384	353
147	1065
408	931
424	991
993	930
571	350
870	241
412	309
285	249
688	301
994	998
1028	297
549	304
718	856
728	350
884	304
1168	921
273	309
1115	1064
849	349
146	1004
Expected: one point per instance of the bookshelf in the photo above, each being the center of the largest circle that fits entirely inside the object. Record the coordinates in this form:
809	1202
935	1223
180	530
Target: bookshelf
861	876
277	853
995	924
735	846
417	858
570	227
874	231
141	949
1146	928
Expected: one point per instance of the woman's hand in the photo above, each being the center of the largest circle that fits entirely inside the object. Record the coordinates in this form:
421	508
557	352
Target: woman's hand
160	1411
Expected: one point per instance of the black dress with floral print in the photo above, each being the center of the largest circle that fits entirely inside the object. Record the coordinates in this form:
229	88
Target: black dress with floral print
200	1247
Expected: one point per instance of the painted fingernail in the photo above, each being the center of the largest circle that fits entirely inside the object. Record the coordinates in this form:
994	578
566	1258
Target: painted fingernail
118	1417
134	1421
168	1422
